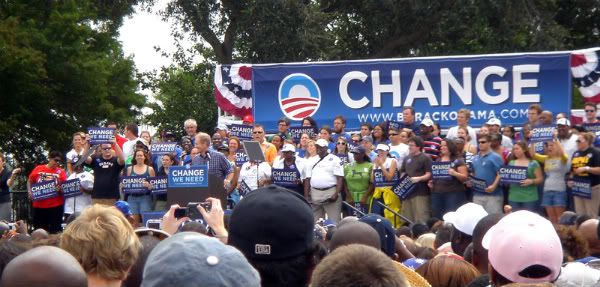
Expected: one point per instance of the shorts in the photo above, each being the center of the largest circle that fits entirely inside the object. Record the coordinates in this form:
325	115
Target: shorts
554	198
139	204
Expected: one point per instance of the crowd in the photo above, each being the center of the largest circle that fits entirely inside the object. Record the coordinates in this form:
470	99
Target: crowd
463	226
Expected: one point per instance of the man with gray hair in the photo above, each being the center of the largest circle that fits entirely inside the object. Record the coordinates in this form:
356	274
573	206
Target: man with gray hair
191	129
217	163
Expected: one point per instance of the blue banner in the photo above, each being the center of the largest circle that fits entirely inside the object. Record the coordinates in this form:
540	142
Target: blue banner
159	184
380	179
188	176
243	188
542	133
285	177
510	174
404	187
240	157
582	188
160	149
375	91
44	190
477	184
100	135
297	132
243	132
439	170
71	188
134	184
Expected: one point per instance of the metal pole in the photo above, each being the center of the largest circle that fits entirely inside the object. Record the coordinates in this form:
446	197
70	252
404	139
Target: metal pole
354	208
395	213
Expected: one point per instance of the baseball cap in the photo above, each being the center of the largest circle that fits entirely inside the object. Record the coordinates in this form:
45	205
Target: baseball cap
322	143
427	122
358	149
387	233
221	127
578	274
248	119
272	223
563	122
123	206
520	242
494	122
288	147
383	147
193	259
466	217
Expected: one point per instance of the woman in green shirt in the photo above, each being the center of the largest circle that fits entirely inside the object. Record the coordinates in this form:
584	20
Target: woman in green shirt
357	178
524	196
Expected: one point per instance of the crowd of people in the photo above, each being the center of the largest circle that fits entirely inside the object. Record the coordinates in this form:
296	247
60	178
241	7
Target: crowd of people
335	219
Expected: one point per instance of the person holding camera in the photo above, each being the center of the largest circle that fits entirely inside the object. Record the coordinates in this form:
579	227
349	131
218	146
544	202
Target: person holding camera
7	179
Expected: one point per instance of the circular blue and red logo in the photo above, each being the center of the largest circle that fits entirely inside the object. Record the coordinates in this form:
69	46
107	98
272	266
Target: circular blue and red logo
299	96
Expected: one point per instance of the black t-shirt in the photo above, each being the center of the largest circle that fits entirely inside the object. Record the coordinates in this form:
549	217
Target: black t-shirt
106	177
589	157
4	191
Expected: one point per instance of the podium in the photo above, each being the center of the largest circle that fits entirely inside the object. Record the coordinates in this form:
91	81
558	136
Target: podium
184	195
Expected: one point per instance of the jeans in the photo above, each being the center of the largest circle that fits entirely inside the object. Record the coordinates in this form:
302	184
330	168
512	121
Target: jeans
139	204
443	202
491	203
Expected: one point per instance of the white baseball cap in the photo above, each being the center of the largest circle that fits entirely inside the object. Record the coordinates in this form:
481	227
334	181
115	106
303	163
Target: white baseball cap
466	217
322	143
382	147
494	122
563	122
427	122
288	147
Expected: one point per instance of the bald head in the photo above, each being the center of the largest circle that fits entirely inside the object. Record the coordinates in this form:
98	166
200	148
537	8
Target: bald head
355	233
44	266
589	230
39	234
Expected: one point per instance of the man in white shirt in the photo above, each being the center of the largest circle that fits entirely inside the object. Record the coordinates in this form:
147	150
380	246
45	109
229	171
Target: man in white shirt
398	150
494	125
568	140
131	134
462	120
324	183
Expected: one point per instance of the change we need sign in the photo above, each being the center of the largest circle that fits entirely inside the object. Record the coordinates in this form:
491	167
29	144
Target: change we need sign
100	135
188	176
44	190
71	188
510	174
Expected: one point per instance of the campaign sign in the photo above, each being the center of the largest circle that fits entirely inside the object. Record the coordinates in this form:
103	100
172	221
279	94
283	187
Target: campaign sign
595	127
243	132
510	174
240	157
439	170
477	184
582	188
498	86
161	149
134	184
542	133
71	188
297	132
380	179
285	177
44	190
404	187
159	184
394	125
100	135
188	176
344	158
243	188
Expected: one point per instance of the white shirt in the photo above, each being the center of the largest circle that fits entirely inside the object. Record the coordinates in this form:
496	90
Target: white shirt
453	133
72	154
248	173
128	147
324	173
300	165
399	152
569	146
506	142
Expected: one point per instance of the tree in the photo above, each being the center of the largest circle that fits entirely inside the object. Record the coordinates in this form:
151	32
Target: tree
61	70
182	95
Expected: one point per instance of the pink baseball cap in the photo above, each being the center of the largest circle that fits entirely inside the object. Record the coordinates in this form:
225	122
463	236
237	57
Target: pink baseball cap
521	240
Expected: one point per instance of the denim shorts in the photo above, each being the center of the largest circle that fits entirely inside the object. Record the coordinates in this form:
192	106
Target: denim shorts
139	204
554	198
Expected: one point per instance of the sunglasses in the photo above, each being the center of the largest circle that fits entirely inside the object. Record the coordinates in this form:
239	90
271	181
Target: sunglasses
483	142
257	132
590	111
342	143
106	148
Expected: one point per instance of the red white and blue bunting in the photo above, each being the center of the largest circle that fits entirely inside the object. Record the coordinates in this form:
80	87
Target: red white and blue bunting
233	89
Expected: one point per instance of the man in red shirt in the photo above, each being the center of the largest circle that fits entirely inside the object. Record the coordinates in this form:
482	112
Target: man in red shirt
120	140
47	213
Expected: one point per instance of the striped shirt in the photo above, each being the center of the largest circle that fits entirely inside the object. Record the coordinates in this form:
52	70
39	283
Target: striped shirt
432	147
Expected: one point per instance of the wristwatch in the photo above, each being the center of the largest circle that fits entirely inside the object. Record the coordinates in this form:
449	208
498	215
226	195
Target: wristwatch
587	168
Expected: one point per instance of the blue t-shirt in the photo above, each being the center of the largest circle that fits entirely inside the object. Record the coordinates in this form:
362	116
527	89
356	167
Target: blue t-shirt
345	135
486	167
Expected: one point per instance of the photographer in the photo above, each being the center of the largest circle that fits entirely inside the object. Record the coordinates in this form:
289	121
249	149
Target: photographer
7	179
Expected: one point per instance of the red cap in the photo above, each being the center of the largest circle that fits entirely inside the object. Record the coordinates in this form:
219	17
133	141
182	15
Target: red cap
248	119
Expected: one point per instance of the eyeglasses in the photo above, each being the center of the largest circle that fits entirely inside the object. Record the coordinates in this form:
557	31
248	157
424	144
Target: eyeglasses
483	142
342	143
106	148
257	132
590	111
393	135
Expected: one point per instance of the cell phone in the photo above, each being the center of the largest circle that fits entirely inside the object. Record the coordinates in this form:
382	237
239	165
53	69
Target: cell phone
181	212
153	223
